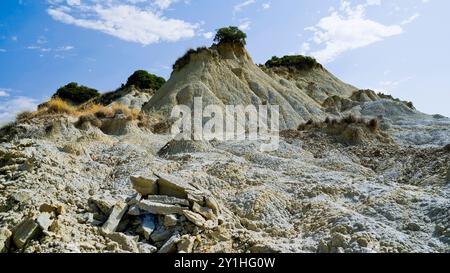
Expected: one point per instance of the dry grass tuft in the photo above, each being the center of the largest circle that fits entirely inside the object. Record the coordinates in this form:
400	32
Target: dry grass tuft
120	109
59	106
89	112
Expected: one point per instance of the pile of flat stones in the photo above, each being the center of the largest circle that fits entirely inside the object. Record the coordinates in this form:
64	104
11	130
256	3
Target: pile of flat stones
165	215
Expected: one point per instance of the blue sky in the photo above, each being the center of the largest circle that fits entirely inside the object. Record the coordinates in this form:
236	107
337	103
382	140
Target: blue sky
396	46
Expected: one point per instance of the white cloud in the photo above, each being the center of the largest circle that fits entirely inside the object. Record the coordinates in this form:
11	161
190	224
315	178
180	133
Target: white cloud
10	108
130	20
245	24
392	85
162	4
208	35
347	29
49	49
411	19
4	93
266	5
240	6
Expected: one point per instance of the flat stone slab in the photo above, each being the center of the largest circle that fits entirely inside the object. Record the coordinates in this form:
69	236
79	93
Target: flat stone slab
173	186
25	231
204	211
195	218
171	245
159	208
114	218
170	220
164	199
145	185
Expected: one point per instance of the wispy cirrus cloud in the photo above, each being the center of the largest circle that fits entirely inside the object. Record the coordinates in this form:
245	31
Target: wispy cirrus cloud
239	7
138	21
348	28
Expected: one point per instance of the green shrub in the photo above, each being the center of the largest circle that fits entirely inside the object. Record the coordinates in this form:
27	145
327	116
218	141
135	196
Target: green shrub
231	35
144	80
76	94
297	61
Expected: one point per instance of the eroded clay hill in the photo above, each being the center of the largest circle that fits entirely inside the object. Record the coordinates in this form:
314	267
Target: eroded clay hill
226	75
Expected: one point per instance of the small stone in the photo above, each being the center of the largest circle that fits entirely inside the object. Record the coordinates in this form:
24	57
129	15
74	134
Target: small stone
186	244
171	245
148	225
5	237
146	248
160	234
211	224
103	203
86	218
127	243
60	209
25	231
362	242
47	208
172	186
195	218
170	220
413	227
145	186
212	203
134	210
135	199
160	209
205	212
44	221
263	249
221	234
196	197
164	199
50	208
114	218
22	196
339	240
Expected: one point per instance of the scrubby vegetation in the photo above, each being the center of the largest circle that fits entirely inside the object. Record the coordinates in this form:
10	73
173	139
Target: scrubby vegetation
231	35
76	94
90	113
186	58
349	130
372	124
389	97
144	80
295	61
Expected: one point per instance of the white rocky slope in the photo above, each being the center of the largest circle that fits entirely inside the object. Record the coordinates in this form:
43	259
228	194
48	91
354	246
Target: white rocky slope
312	195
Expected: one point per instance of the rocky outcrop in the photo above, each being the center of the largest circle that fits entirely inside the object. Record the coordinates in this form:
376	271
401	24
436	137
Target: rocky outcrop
229	77
130	96
168	219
